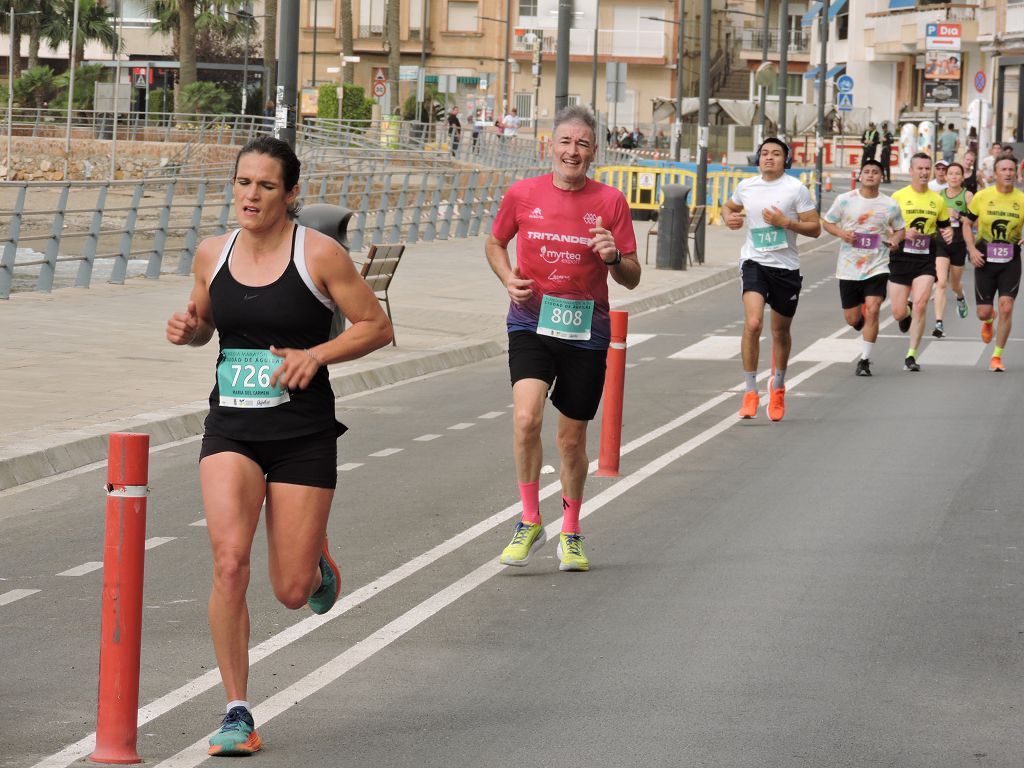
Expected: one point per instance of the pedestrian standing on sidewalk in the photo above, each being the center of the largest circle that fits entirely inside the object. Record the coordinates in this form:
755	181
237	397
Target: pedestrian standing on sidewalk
269	290
869	142
572	234
887	141
454	131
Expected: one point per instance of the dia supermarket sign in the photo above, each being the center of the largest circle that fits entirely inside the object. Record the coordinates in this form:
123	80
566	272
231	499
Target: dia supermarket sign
942	36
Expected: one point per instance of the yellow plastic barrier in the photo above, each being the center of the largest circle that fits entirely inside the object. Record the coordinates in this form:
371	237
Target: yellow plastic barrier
642	186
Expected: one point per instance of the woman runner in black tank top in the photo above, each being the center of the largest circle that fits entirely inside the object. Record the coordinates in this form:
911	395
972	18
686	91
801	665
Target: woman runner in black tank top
951	257
268	291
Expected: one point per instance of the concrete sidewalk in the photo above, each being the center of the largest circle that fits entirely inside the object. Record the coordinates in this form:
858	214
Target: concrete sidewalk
81	363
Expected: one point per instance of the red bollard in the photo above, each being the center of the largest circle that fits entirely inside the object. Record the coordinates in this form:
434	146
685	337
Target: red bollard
614	386
853	180
121	613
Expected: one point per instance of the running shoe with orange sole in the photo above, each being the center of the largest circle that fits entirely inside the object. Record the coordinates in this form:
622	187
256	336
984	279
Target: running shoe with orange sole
996	364
749	408
236	735
776	402
326	595
986	332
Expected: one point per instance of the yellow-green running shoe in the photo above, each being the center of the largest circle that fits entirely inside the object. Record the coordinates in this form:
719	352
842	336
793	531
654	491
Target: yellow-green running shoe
236	736
525	540
570	553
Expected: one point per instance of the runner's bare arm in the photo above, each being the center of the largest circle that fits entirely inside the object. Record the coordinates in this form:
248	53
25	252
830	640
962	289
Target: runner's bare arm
807	223
368	328
519	288
732	215
626	267
195	325
972	246
835	230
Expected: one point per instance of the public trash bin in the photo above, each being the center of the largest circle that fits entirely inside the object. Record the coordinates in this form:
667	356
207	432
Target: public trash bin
673	227
331	220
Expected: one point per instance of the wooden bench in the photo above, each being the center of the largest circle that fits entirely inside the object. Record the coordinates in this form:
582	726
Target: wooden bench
696	220
378	270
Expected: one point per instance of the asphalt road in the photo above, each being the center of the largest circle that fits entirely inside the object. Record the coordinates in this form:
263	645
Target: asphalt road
842	588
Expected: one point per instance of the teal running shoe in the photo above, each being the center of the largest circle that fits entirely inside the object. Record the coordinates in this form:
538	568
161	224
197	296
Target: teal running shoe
236	735
326	595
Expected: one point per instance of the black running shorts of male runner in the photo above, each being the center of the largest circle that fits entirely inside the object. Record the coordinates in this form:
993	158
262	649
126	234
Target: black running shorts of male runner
780	287
904	268
1004	278
577	373
310	460
853	292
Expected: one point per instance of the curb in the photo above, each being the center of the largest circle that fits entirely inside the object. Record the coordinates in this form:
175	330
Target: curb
80	447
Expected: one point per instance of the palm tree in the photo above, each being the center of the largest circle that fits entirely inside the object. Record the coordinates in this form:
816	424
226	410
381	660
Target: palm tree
270	48
21	26
94	23
394	44
347	43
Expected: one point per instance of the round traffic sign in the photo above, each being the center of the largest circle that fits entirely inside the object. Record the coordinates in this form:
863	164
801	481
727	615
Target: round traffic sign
844	83
980	80
379	89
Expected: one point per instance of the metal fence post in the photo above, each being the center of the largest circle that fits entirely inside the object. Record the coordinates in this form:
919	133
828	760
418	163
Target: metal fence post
364	206
160	239
398	219
10	254
47	270
92	240
417	213
225	210
120	269
462	230
430	230
188	253
446	223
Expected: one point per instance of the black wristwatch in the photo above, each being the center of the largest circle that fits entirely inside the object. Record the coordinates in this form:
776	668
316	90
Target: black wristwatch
616	260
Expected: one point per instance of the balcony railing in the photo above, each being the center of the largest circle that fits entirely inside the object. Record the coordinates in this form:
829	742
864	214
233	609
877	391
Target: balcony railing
889	26
753	40
371	30
631	43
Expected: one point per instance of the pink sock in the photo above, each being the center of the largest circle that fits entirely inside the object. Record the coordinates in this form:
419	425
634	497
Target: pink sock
530	494
571	515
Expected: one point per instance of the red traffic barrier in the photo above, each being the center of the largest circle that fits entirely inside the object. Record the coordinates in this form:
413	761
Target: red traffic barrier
124	547
614	387
853	180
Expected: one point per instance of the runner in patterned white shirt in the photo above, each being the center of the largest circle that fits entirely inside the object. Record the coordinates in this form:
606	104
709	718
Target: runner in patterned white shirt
778	208
867	223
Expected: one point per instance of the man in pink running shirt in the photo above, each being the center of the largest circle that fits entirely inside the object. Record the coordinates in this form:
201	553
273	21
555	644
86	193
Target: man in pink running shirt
571	233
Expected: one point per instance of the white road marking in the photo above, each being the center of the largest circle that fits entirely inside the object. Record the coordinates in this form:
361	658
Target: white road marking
350	466
200	523
385	453
491	415
711	348
461	425
963	353
81	570
830	351
285	699
15	594
426	438
156	541
632	339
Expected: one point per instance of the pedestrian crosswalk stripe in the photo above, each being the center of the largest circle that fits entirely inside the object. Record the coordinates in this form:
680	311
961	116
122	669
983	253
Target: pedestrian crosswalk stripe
830	351
953	353
632	339
711	348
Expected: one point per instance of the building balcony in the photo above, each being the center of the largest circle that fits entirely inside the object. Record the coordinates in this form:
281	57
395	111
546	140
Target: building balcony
752	43
902	32
620	43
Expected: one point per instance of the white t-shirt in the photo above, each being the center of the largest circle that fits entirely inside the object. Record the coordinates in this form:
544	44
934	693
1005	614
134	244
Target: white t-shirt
771	247
936	186
874	218
510	124
987	166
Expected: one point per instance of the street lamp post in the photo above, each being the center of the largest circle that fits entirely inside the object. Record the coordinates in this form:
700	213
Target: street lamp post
508	32
783	66
316	7
819	160
247	18
702	124
677	138
71	89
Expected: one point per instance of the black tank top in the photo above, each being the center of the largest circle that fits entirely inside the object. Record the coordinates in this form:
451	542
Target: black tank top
289	312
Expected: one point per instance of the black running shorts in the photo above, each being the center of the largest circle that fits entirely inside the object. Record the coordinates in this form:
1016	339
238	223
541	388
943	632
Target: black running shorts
1004	278
853	292
310	460
780	287
577	373
903	268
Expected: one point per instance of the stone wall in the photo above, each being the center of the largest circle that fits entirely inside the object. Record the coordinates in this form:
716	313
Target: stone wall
42	159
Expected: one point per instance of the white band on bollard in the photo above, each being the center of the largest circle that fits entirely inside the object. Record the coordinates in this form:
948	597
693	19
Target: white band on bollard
127	491
617	345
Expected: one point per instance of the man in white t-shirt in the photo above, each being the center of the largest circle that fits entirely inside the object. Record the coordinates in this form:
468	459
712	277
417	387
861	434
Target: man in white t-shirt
867	223
987	166
939	182
778	208
510	124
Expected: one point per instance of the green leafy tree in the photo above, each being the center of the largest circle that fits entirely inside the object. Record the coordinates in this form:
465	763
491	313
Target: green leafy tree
22	26
327	102
85	86
432	110
161	100
35	87
204	98
95	23
355	105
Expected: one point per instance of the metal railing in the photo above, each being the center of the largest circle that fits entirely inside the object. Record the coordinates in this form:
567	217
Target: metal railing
753	40
76	233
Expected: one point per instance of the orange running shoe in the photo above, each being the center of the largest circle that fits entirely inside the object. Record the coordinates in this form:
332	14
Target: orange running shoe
986	332
996	364
776	402
749	408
